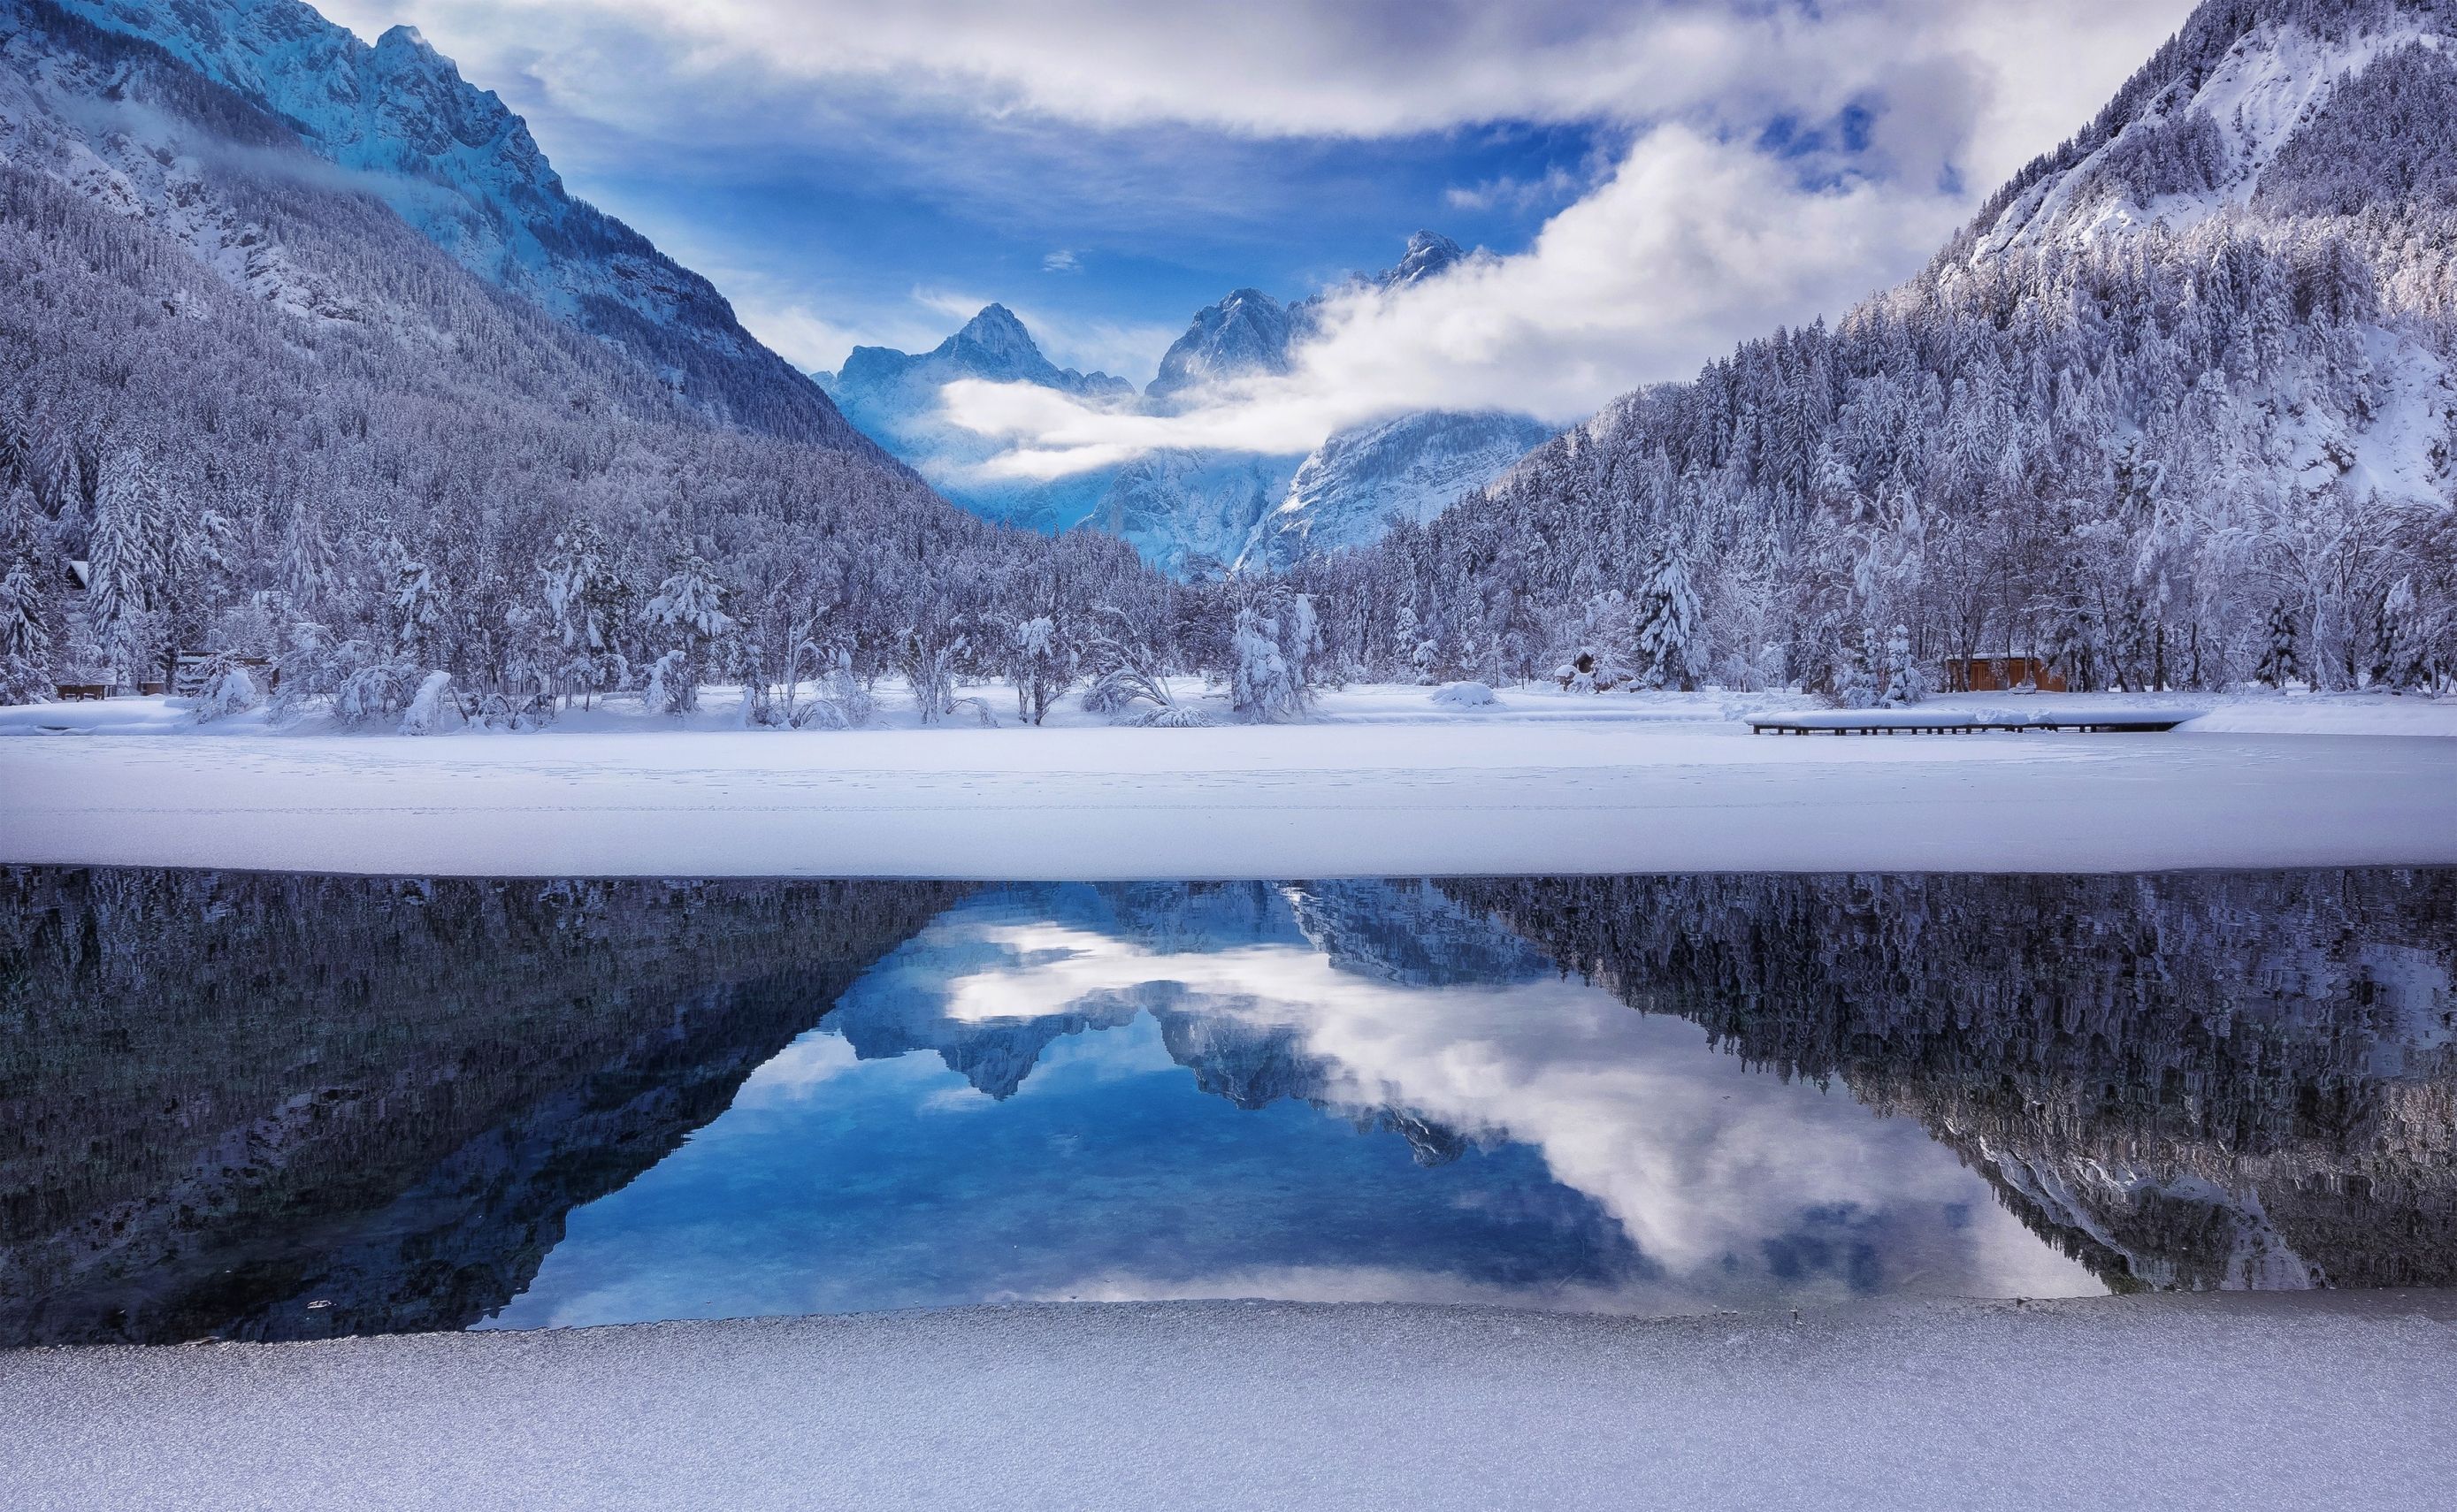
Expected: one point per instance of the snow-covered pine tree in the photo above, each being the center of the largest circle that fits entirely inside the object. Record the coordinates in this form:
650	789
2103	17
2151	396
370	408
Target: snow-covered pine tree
1263	688
1860	686
2281	663
585	598
1404	637
418	610
58	480
307	571
1668	649
28	595
25	634
2401	658
125	560
1904	683
686	617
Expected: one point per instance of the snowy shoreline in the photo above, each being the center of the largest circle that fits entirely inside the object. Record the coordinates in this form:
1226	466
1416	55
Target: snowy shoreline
2272	1399
1544	785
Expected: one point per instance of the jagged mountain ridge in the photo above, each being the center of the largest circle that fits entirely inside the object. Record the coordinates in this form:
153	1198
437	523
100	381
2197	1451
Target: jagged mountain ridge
453	161
894	397
1192	512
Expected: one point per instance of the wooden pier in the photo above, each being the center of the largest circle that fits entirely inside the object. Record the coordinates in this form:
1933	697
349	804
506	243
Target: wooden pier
1942	722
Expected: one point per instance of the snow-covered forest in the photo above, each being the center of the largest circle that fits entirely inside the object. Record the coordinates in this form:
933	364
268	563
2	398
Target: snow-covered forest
2174	411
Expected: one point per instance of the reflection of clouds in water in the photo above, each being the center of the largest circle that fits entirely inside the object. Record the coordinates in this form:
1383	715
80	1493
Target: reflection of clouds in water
1721	1177
796	1072
1363	1283
957	1099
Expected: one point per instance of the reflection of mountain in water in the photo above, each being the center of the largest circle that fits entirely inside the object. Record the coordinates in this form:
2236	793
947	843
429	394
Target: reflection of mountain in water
2189	1080
1404	934
224	1096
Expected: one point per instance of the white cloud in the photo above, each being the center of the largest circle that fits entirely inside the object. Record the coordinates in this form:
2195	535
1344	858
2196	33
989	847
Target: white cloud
1690	242
1367	68
1062	260
1693	241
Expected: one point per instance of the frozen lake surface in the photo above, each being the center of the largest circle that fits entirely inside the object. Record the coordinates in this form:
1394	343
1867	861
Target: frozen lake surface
251	1106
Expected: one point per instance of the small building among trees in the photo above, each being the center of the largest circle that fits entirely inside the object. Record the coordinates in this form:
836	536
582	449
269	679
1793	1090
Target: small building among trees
1999	672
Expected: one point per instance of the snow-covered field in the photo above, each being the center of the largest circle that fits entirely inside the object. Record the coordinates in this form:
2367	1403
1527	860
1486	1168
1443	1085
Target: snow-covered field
2231	1399
1386	782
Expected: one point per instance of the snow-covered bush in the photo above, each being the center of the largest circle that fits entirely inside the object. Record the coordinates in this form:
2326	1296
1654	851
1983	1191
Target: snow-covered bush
1167	716
429	706
1123	657
671	687
228	688
371	692
1465	695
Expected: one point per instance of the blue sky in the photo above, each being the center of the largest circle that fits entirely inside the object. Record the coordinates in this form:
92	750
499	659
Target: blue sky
1109	239
1657	178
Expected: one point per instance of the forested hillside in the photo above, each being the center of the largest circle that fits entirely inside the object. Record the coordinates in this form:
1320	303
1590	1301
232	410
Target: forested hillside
2174	410
272	419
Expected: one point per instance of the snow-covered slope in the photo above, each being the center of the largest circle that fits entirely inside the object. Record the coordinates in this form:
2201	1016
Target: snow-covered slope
2177	408
894	396
1410	468
1193	513
455	163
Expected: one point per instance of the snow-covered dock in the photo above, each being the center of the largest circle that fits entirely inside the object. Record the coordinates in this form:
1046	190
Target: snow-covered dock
1923	721
2253	1400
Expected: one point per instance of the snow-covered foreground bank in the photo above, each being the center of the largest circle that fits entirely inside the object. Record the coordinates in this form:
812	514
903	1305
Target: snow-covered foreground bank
1577	792
2261	1400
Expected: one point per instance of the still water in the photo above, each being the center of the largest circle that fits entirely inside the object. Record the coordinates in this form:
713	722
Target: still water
264	1106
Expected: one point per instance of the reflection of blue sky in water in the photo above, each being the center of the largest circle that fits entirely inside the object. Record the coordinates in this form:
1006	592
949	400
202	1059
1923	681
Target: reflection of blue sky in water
1342	1092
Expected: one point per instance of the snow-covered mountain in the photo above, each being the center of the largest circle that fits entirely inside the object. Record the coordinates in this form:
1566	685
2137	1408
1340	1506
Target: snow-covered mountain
1249	332
1192	512
2178	408
894	396
320	365
454	162
1410	468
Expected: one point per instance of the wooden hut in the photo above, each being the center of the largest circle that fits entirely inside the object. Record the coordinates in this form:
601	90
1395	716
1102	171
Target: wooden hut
2001	672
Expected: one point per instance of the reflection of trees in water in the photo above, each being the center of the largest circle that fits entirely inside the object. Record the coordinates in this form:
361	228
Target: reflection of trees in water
2187	1079
224	1096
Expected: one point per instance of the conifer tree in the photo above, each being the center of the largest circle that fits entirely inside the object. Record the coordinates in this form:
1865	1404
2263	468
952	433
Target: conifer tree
2281	663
